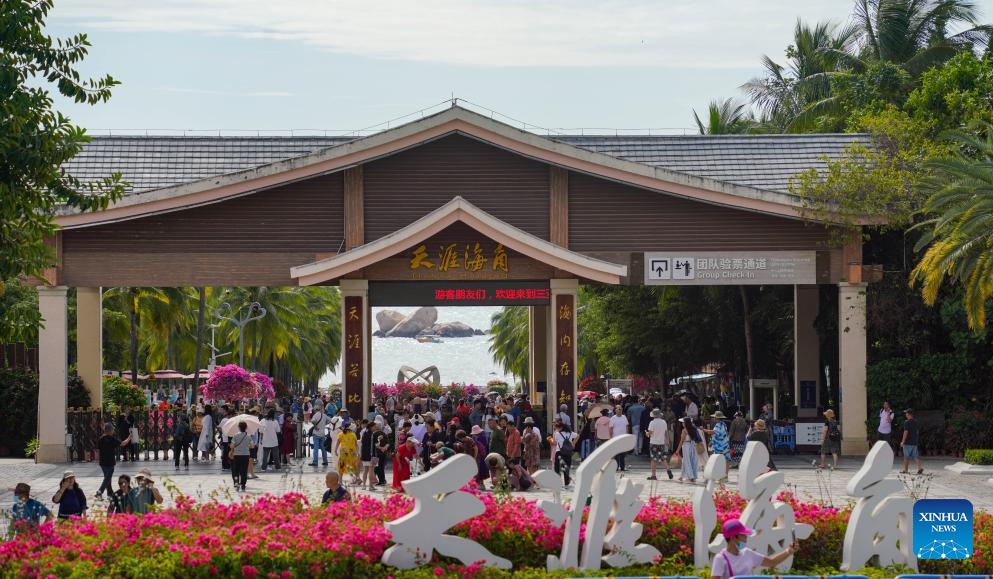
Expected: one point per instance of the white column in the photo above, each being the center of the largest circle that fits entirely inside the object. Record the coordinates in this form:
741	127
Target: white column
806	346
89	342
52	374
852	362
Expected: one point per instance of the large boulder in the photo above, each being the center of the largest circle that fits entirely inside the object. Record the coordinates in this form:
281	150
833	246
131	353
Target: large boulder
388	319
450	330
415	323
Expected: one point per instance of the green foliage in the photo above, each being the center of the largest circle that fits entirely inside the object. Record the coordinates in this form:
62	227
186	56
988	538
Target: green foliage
509	331
958	233
31	447
979	456
19	392
870	183
726	117
35	140
121	393
880	85
19	315
953	95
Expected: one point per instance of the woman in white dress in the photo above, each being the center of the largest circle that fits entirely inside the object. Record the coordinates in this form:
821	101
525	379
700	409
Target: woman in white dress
206	443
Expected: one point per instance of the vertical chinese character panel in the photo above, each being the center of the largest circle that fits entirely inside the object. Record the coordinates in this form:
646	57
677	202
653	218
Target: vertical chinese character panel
354	358
565	353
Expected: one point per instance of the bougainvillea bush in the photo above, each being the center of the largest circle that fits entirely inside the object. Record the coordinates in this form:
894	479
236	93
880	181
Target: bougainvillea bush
234	383
287	537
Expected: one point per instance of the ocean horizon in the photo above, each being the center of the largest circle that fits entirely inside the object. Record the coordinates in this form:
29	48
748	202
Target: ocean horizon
464	360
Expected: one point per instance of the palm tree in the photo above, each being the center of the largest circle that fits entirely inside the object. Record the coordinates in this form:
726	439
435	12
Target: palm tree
510	329
960	236
787	90
725	118
914	33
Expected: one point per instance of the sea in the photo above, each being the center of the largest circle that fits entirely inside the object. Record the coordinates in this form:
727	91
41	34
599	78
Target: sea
464	360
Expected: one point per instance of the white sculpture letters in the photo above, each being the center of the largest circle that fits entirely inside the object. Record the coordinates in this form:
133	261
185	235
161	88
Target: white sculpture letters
705	513
421	532
879	519
774	521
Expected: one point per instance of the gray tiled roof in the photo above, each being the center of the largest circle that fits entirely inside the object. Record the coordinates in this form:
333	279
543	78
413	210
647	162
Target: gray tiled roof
759	161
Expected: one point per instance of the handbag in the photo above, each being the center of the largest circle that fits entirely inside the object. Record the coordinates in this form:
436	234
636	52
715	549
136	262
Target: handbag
700	448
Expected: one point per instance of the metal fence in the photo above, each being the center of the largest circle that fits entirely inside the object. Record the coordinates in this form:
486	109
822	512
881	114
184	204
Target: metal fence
153	426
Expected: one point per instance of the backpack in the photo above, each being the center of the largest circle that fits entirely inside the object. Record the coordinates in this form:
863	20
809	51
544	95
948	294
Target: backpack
834	431
566	446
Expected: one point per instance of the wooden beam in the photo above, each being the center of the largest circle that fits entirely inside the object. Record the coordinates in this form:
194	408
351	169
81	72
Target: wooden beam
558	214
851	255
354	208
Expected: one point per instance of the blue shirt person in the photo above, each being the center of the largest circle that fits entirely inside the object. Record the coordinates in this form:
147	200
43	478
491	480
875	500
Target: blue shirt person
27	513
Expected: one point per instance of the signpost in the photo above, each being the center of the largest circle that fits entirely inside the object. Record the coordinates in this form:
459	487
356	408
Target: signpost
731	268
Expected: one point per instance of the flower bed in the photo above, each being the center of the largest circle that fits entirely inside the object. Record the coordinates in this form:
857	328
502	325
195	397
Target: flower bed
287	537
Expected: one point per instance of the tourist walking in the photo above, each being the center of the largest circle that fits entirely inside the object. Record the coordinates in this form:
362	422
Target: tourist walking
182	437
719	441
241	445
619	427
634	412
269	433
70	498
760	434
689	437
287	446
347	449
498	436
108	446
830	438
318	432
737	434
531	439
206	442
144	493
736	559
885	430
908	443
514	443
563	446
27	513
601	427
658	443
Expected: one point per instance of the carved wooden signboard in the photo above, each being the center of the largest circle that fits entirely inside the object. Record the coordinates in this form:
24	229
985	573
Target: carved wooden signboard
354	362
565	348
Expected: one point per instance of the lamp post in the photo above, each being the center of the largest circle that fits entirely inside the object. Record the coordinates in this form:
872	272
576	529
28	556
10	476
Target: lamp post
240	320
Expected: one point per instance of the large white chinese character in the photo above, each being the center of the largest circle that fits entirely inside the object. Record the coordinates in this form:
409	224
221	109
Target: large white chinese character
879	519
421	532
705	513
774	521
596	477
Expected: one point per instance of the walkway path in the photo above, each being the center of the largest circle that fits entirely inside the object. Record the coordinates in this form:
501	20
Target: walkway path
204	481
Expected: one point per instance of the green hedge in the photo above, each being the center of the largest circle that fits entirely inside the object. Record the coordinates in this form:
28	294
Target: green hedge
979	456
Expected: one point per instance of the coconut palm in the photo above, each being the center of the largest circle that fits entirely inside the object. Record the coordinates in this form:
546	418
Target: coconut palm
510	329
787	90
959	236
726	117
915	33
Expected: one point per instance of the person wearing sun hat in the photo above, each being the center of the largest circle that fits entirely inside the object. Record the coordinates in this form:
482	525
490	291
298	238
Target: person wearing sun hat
760	434
736	559
830	438
70	498
144	493
27	513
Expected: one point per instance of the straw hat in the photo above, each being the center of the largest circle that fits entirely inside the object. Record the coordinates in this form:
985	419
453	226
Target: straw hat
829	413
760	424
719	415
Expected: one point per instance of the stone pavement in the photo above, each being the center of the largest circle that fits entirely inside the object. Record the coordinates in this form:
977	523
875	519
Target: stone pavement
205	481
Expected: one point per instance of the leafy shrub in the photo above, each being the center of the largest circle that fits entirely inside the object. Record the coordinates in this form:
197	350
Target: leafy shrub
19	392
121	393
979	456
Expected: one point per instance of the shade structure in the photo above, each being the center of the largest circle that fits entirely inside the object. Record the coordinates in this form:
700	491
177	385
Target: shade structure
202	374
168	375
127	374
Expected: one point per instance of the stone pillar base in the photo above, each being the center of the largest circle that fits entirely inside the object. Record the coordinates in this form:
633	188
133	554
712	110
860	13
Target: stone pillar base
854	447
51	454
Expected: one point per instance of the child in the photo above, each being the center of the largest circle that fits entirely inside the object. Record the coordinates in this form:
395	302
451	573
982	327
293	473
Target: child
27	513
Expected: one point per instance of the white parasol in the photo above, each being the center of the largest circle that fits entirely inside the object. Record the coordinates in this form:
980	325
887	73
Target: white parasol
230	427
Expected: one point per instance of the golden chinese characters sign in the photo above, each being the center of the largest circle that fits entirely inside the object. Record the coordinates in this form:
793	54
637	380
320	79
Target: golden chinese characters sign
354	369
443	259
565	359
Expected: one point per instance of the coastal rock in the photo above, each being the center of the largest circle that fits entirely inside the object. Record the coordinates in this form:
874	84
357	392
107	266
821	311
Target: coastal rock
415	323
478	332
388	319
379	334
450	330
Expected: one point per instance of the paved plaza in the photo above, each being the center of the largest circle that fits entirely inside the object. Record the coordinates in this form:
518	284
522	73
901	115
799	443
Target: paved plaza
205	481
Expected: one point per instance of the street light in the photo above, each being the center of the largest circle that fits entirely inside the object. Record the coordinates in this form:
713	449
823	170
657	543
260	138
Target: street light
240	321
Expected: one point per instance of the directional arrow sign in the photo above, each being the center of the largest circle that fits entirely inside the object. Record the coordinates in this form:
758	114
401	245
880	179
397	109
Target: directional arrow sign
660	269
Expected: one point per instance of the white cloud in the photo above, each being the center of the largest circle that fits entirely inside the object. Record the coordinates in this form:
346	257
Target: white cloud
663	33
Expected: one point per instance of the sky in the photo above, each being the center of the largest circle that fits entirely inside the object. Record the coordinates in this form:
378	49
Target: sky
311	66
